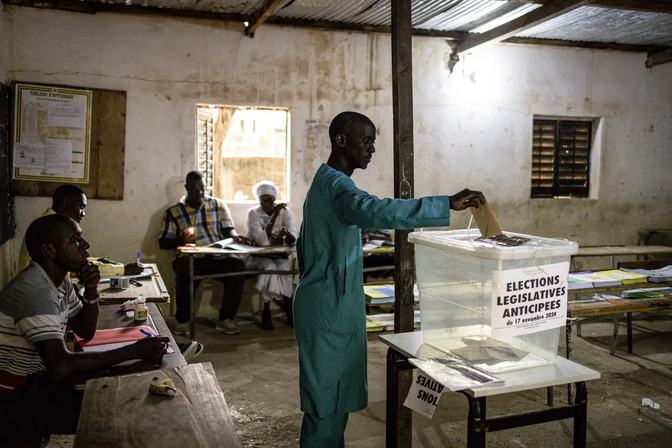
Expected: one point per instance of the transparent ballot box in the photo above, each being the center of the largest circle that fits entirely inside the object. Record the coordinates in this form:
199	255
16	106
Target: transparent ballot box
498	307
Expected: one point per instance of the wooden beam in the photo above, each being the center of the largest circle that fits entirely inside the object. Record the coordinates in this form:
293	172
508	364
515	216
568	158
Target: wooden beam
343	26
90	7
589	45
522	23
260	16
402	110
658	58
404	262
660	6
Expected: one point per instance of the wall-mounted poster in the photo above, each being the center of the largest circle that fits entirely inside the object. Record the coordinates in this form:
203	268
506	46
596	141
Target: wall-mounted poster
52	132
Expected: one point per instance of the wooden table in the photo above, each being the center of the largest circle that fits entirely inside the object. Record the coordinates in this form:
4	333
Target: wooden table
192	252
410	345
110	318
582	313
119	412
152	288
615	251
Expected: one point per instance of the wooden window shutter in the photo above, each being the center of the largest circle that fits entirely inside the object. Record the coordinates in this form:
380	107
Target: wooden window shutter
543	158
572	158
560	158
205	147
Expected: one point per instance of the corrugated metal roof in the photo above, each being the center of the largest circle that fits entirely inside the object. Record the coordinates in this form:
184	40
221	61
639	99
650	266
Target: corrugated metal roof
227	6
466	13
591	24
340	11
583	24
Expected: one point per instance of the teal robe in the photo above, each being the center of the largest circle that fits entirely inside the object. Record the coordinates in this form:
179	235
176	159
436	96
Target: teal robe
329	306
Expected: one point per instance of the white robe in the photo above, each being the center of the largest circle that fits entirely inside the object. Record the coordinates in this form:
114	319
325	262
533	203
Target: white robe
272	285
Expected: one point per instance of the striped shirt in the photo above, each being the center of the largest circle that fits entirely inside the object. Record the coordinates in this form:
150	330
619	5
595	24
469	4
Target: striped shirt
208	221
32	309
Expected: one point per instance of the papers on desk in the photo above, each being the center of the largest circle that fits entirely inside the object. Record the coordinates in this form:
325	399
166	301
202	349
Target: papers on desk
227	243
385	321
654	275
380	294
646	293
602	279
589	279
377	244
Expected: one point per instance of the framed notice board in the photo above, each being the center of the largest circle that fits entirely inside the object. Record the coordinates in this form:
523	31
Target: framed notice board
66	134
6	202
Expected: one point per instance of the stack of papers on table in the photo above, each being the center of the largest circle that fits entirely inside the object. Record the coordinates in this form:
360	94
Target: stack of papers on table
378	244
385	321
597	279
577	280
646	293
626	277
377	294
654	275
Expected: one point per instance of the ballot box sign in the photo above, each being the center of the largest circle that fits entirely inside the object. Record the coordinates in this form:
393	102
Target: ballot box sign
529	299
424	394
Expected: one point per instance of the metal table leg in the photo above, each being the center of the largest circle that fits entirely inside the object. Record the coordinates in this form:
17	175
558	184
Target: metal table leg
629	320
479	426
568	351
476	423
396	434
614	337
580	419
192	320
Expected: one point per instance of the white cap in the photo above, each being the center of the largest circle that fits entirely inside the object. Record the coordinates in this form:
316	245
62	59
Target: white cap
265	187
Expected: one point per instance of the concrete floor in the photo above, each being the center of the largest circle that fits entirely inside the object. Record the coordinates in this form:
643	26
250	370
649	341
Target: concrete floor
258	372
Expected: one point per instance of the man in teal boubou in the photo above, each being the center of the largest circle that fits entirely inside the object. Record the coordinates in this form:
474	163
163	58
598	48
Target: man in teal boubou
329	306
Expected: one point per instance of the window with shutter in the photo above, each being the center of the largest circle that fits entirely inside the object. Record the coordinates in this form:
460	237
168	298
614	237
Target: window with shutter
561	158
205	135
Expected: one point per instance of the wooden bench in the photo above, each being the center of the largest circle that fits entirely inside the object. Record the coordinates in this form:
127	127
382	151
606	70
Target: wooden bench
120	412
581	313
620	251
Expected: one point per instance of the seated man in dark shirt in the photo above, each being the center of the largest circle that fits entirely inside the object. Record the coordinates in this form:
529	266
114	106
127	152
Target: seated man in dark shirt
37	397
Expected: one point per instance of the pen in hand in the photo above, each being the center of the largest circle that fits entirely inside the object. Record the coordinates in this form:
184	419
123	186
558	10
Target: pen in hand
149	335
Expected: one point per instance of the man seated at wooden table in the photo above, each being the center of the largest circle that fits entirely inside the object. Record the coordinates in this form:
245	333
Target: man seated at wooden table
37	397
201	219
70	200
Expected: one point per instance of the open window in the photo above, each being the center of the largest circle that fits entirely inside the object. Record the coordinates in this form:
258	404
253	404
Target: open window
237	146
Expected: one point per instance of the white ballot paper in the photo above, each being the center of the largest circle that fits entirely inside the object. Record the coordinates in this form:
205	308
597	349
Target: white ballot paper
423	397
454	373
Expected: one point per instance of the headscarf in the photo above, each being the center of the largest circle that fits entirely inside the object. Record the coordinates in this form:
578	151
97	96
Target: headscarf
265	187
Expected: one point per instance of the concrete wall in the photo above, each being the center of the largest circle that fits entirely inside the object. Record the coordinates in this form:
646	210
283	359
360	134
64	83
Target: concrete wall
7	254
473	127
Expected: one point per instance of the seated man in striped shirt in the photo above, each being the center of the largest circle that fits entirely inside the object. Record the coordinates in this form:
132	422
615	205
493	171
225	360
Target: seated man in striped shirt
37	397
202	220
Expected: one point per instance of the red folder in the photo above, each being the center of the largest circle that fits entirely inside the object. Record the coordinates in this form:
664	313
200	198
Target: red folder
115	336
